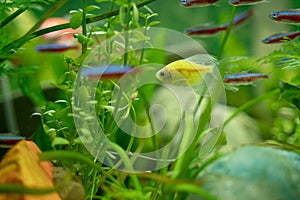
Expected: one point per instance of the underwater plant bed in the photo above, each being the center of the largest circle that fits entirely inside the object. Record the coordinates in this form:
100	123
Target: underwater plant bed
149	99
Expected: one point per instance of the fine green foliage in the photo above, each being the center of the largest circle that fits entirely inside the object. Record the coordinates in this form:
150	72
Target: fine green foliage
9	5
64	144
287	57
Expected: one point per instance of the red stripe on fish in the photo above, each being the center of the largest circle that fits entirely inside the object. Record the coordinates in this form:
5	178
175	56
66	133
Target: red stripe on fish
244	78
280	37
290	16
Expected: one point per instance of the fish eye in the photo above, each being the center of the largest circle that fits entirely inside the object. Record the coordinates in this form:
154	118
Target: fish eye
266	40
162	73
184	2
274	15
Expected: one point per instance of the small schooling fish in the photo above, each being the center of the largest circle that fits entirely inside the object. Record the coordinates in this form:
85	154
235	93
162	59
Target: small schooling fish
288	16
210	30
245	78
10	140
241	17
55	48
182	73
107	72
280	37
205	30
199	3
245	2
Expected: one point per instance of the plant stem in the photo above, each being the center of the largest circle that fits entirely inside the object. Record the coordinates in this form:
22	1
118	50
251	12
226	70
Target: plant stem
186	140
93	184
251	103
147	108
12	16
227	33
108	128
126	29
143	49
84	29
132	137
67	155
115	12
109	31
128	166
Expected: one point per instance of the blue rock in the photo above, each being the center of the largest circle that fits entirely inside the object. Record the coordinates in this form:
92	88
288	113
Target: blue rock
253	173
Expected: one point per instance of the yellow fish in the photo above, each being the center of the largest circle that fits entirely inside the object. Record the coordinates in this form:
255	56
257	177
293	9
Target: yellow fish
182	73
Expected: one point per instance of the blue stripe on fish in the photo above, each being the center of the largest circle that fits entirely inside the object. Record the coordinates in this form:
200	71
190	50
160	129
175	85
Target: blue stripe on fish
11	137
244	78
106	71
10	140
291	16
54	47
280	37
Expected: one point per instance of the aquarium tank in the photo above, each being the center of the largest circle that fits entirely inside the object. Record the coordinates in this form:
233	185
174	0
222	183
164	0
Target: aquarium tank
149	99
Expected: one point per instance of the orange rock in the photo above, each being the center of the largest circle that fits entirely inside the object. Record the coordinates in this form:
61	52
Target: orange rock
21	165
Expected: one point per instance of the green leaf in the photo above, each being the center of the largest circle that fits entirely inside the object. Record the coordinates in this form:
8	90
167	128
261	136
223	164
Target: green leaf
62	112
51	132
91	8
77	140
152	15
82	39
135	13
109	108
153	23
230	87
140	36
89	15
49	112
36	114
67	155
122	15
290	93
62	78
76	20
61	101
59	141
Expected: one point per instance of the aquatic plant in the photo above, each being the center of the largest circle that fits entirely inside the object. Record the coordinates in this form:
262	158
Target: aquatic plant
103	121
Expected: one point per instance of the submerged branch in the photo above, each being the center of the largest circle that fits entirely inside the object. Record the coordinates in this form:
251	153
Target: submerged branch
12	16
